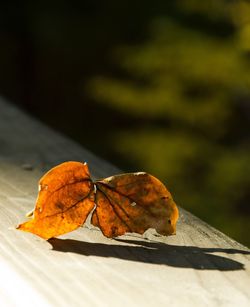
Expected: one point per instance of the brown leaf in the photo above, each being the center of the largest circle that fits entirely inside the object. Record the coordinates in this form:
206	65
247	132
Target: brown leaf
124	203
64	201
134	203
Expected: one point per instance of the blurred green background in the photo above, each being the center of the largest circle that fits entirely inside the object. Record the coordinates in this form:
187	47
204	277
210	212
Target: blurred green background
162	87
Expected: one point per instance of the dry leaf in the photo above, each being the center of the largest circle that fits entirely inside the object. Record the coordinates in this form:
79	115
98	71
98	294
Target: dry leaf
124	203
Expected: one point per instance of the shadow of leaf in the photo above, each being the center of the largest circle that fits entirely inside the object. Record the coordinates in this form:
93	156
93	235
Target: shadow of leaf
154	253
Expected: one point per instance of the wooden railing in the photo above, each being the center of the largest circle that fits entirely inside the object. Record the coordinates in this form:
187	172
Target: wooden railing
199	266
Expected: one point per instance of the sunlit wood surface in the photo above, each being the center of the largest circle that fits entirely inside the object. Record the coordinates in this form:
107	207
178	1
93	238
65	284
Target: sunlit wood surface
199	266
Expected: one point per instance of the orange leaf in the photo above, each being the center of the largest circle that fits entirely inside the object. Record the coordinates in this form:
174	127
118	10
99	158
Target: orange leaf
64	201
134	203
124	203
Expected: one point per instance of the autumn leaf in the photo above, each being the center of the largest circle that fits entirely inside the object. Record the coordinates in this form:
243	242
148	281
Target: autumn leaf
119	204
64	201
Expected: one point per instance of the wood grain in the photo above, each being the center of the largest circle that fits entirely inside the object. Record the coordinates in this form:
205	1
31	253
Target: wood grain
199	266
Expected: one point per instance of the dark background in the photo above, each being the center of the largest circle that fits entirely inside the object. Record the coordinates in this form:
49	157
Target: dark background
162	87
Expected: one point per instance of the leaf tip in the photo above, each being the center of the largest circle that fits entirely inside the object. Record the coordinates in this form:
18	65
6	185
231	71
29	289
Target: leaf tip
19	227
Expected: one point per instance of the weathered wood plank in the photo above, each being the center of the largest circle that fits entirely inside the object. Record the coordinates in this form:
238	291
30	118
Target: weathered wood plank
199	266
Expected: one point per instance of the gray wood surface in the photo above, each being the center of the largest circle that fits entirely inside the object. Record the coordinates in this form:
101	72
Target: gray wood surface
199	266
